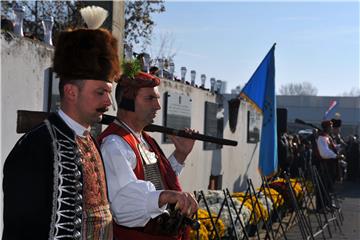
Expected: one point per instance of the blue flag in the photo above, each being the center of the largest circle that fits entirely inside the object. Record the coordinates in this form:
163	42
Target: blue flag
259	91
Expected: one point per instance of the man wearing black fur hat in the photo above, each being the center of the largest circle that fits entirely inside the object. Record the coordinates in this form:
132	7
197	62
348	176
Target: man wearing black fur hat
54	180
336	132
141	180
341	148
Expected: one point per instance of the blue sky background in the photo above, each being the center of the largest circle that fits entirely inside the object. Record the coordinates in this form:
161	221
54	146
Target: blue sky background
317	42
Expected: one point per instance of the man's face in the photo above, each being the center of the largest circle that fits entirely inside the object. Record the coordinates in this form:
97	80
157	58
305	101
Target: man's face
92	100
146	105
329	129
336	130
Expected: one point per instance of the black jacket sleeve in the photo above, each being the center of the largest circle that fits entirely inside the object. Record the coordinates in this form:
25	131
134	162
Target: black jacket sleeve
28	187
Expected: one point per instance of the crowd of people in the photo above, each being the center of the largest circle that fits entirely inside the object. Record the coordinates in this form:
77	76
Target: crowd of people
300	150
335	158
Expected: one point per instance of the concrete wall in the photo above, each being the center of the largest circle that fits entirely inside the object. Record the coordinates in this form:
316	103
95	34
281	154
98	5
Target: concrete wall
23	83
242	161
235	164
198	164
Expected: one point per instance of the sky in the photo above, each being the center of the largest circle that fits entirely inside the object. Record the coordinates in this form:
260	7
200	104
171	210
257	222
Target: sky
316	42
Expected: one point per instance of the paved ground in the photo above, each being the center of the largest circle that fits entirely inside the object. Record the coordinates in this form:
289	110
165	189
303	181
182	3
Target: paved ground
349	194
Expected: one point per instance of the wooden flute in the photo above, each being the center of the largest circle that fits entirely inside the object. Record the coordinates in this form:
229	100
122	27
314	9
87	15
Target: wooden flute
29	119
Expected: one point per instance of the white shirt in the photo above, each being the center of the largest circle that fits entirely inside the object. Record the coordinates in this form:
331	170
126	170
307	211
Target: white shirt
323	146
75	126
133	202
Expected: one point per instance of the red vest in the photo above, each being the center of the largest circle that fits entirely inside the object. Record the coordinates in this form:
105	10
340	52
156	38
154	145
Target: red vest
169	178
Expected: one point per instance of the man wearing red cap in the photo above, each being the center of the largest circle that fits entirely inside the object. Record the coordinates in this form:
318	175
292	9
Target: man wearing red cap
141	180
328	156
54	180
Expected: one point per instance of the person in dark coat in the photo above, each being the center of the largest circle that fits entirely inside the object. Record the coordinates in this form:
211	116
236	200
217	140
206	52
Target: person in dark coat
353	153
54	180
341	146
328	158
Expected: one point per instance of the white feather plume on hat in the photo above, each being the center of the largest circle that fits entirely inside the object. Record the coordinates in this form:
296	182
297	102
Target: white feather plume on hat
94	16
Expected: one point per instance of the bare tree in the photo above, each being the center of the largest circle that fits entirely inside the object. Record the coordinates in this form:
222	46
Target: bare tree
166	48
138	22
237	89
354	92
300	89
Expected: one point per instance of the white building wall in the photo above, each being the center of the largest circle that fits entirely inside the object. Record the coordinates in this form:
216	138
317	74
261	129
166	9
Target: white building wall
198	167
24	64
241	162
236	163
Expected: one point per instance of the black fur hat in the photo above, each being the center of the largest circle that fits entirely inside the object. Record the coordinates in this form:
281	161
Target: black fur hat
87	53
336	122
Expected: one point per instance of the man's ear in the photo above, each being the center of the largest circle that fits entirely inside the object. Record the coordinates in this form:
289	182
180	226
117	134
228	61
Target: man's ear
70	91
